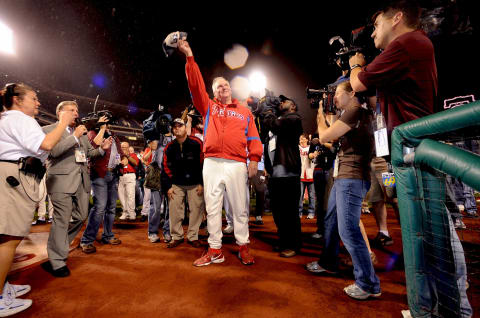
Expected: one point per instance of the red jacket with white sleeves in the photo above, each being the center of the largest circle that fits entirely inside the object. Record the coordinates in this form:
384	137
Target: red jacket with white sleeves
229	130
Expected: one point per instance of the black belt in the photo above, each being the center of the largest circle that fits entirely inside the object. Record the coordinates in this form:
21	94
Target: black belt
11	161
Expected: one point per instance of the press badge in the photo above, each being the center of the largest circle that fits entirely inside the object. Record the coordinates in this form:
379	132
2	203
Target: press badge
381	137
80	155
335	167
388	179
272	144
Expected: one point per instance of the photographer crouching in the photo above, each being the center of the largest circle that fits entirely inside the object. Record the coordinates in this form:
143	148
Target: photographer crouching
282	162
24	147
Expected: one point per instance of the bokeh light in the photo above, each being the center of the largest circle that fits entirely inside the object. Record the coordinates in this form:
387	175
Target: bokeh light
132	108
236	57
6	39
240	87
99	80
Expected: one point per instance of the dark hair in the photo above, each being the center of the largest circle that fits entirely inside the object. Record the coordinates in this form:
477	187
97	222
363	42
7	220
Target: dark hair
11	90
410	8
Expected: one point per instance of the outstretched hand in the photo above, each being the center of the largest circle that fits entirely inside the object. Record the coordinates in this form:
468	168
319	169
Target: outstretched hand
184	47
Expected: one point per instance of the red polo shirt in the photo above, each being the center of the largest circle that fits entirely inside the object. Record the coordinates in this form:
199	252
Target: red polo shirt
130	168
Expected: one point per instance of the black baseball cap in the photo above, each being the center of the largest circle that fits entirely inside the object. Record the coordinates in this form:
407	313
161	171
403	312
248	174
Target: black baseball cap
284	98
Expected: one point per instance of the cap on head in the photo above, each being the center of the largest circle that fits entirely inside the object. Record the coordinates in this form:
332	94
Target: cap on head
178	121
285	98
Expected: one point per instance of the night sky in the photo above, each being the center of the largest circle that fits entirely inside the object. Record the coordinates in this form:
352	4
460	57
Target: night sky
113	48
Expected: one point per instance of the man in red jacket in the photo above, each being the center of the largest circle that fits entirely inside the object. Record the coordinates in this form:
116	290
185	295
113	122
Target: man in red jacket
229	131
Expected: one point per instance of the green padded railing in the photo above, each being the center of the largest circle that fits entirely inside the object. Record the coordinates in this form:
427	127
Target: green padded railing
431	285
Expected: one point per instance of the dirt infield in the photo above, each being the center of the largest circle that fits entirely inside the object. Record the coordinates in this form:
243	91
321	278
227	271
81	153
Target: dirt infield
141	279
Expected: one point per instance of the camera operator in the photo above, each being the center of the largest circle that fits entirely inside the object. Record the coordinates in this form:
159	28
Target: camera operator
282	162
405	76
20	137
127	182
104	173
352	181
323	156
68	185
405	73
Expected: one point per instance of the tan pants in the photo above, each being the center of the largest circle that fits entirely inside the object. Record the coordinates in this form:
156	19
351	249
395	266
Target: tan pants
126	194
177	211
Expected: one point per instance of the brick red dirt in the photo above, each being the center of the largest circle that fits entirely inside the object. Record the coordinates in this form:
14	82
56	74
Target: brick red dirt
141	279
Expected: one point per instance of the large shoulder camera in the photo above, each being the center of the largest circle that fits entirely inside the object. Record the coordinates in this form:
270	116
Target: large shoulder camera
325	95
360	41
158	123
91	120
268	103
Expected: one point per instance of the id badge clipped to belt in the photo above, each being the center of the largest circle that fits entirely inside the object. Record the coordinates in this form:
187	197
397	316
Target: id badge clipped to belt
381	137
80	155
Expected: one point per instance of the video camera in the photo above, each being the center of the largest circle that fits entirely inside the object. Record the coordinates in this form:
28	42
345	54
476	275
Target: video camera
91	120
196	116
269	102
326	95
360	41
158	123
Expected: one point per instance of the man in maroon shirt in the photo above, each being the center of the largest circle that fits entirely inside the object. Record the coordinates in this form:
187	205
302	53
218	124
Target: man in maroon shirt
405	73
405	76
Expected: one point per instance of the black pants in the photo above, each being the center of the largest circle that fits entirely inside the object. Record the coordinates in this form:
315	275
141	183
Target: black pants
322	190
284	194
259	187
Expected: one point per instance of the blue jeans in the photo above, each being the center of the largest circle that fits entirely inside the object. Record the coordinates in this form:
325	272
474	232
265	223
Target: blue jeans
105	193
342	222
138	194
158	213
311	197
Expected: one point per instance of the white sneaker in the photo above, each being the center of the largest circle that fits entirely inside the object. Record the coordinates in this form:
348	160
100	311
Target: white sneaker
406	314
461	207
459	224
17	290
123	217
153	238
357	293
310	216
10	306
228	229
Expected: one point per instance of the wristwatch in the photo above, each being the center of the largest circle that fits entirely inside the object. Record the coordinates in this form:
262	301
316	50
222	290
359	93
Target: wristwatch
354	66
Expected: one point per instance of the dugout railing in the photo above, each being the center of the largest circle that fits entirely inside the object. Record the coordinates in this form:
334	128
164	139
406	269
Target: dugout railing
435	267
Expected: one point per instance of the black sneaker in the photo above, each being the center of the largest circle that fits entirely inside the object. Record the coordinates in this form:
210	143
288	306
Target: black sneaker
382	240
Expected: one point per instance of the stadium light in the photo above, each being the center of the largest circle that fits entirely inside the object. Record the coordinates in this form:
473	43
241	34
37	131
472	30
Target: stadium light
258	82
6	39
